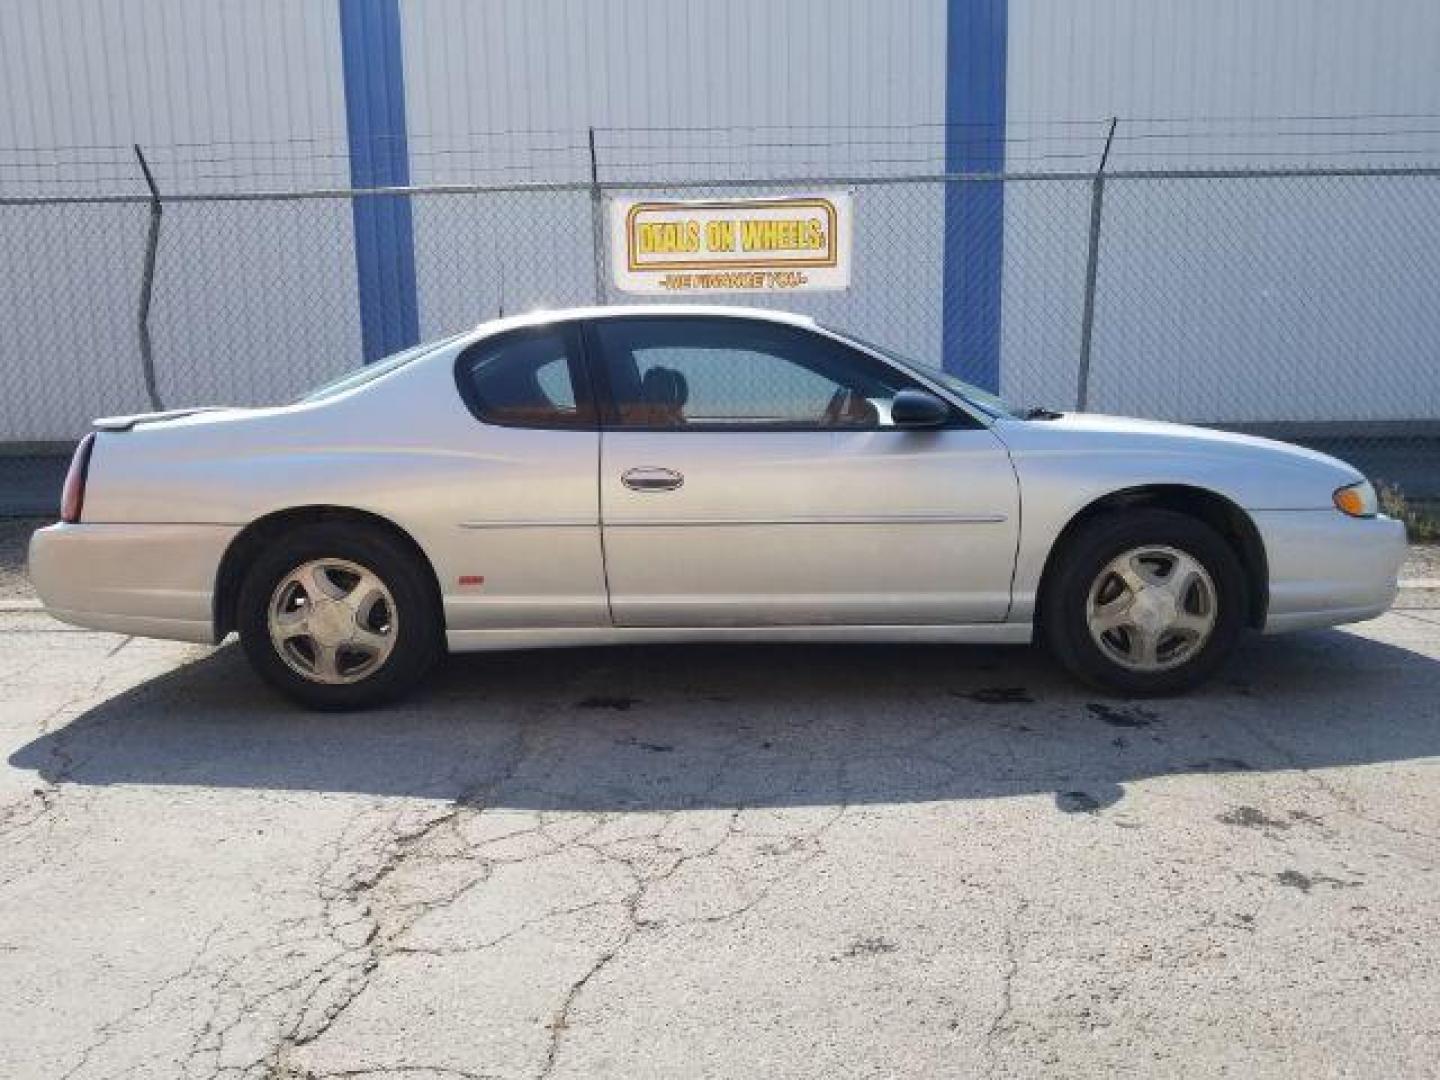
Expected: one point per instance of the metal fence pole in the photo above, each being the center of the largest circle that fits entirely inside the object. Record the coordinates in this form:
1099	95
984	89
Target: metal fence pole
597	223
1092	267
147	284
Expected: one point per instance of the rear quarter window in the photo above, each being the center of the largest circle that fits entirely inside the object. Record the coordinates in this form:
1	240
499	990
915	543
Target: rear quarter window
531	378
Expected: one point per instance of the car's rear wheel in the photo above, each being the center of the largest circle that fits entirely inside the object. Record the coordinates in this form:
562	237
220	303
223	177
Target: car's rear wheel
339	616
1144	602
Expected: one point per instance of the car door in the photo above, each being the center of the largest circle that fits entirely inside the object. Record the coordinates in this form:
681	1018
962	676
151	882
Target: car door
749	476
526	546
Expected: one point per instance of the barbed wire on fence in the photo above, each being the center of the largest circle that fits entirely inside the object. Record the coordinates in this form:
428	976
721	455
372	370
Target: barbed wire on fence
711	151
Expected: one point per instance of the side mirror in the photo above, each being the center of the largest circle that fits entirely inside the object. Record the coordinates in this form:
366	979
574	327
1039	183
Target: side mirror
917	409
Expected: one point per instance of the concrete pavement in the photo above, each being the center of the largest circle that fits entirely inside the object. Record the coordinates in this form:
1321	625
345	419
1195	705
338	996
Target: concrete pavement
721	862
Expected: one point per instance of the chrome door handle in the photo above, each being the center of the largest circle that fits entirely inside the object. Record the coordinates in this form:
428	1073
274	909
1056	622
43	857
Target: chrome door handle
651	479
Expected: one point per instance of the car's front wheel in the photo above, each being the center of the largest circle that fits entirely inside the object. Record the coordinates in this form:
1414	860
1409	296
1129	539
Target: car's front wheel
1144	602
339	616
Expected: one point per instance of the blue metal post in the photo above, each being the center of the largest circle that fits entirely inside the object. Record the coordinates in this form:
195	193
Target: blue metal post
379	157
976	56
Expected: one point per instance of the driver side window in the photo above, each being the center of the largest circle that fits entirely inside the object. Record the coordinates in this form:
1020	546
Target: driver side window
696	372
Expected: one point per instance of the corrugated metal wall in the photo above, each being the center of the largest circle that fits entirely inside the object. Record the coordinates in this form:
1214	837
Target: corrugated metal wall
505	92
1221	58
225	97
560	66
1206	285
233	96
239	92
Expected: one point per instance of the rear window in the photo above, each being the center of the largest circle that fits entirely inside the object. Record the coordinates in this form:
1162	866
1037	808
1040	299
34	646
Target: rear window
371	372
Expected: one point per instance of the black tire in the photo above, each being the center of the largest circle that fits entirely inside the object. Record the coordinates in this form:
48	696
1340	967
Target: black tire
1065	598
419	639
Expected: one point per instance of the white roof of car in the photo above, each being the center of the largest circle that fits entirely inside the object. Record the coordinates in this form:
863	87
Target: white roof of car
608	311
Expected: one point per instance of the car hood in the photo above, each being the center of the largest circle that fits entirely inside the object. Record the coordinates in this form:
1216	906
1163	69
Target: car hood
1096	453
1101	430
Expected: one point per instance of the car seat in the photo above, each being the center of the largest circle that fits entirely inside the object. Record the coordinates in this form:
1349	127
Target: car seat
664	393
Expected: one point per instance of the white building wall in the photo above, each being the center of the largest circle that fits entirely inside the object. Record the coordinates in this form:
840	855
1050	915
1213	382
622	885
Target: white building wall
1221	59
1202	286
225	97
1230	300
505	92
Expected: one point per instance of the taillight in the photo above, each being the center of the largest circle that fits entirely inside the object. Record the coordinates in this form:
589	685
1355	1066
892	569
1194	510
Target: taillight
72	496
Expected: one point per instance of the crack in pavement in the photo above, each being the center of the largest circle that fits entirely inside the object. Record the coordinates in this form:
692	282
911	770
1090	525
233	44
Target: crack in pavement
1007	984
18	817
107	1030
325	958
712	831
354	909
560	1021
358	964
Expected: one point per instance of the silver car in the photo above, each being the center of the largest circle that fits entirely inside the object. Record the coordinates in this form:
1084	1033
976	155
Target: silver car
645	474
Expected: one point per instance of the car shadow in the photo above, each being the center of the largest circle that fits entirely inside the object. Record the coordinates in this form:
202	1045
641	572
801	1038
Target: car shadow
666	728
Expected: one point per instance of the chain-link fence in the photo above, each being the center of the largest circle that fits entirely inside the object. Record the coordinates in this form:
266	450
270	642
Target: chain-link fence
1295	303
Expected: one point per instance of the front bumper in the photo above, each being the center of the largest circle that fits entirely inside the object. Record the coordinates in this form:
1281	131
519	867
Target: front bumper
149	580
1326	568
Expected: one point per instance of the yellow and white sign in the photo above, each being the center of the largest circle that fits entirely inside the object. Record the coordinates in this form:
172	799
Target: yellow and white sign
731	245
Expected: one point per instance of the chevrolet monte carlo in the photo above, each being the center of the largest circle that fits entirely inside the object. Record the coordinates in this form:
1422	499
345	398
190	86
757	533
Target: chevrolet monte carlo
648	474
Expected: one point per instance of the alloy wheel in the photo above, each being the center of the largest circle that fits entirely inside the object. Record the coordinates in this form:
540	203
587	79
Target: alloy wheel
1152	608
332	621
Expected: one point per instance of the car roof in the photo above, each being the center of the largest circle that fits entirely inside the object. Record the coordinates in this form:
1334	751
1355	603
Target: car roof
611	311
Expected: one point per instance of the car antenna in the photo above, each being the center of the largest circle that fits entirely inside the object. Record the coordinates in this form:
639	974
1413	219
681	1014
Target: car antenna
500	265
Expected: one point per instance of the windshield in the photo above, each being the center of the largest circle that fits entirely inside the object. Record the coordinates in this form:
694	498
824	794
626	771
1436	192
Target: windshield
370	372
988	403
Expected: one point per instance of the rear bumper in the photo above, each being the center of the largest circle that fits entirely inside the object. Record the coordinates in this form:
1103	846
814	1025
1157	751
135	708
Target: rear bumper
149	580
1327	569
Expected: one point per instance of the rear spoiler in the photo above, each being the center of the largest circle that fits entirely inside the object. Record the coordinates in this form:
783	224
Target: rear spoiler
126	423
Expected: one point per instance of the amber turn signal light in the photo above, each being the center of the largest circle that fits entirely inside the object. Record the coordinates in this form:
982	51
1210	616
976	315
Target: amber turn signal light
1357	500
